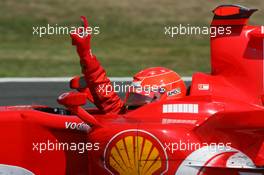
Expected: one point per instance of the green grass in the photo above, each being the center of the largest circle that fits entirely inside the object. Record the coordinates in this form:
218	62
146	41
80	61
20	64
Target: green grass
131	35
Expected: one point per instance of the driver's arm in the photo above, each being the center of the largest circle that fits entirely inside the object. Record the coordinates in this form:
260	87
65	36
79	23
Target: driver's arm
98	83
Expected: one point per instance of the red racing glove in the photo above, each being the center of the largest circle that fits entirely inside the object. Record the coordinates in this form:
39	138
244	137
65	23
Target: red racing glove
98	83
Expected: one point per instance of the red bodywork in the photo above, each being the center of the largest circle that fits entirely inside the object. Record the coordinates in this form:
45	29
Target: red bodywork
217	129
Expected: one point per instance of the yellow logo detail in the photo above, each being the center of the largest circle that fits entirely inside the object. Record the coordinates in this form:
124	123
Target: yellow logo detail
135	155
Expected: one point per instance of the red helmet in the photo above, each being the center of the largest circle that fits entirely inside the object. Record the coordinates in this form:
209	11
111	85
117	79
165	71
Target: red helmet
155	84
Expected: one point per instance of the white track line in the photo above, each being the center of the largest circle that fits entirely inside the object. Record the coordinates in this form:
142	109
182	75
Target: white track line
62	79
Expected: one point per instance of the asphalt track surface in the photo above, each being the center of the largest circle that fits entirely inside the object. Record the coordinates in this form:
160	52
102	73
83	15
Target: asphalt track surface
36	93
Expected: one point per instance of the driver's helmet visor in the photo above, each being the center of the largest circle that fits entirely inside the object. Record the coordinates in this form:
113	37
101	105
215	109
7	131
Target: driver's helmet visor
137	99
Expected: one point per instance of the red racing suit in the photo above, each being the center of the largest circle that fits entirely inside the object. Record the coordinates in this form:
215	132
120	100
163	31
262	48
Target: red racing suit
98	88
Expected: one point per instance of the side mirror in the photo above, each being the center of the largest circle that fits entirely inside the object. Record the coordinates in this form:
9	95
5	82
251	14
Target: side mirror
72	99
78	83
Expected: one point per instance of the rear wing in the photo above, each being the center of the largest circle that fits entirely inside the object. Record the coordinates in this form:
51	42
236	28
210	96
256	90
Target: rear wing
231	15
237	56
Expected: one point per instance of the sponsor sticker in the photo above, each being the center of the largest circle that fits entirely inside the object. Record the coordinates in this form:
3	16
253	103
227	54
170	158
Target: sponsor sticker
177	121
181	108
174	92
203	87
133	151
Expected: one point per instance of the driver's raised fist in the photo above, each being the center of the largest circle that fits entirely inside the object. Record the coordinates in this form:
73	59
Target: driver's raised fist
81	39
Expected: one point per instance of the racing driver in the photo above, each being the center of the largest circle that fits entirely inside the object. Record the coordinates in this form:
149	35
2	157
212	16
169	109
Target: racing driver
149	85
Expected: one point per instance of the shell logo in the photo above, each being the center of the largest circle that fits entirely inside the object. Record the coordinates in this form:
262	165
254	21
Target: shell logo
133	152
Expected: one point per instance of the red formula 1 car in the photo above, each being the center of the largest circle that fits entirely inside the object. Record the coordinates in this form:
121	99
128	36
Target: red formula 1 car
218	128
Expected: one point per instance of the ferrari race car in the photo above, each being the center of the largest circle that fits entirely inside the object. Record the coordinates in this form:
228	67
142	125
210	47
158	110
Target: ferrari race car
218	128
